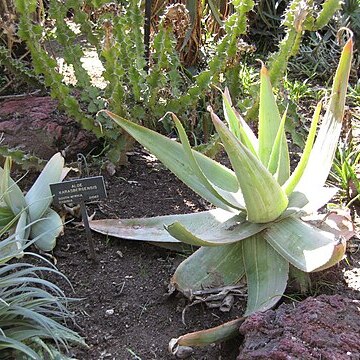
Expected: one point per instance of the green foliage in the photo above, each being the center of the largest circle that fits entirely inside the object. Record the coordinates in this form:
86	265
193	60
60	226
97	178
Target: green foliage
19	69
299	90
320	46
299	16
146	92
19	157
32	212
225	52
33	311
128	89
351	16
266	23
46	65
345	170
355	94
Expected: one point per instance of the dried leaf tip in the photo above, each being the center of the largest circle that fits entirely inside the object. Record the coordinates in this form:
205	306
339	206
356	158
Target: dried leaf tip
348	47
264	71
215	119
226	94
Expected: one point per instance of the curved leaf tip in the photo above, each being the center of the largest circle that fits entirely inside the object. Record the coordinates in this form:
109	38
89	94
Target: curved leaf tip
264	71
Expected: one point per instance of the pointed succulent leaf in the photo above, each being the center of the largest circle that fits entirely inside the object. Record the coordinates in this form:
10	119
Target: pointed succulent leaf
209	267
10	248
46	230
39	196
225	197
297	201
11	194
303	245
279	159
172	155
266	274
152	229
269	121
212	228
322	154
265	200
17	240
229	114
216	334
301	166
234	230
138	229
238	125
21	232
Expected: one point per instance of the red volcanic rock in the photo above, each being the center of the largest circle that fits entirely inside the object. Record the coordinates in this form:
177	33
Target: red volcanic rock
34	125
326	327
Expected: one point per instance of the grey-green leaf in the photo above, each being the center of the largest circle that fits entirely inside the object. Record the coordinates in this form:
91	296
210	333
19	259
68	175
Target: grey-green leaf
323	151
210	228
238	125
266	274
11	194
265	200
152	229
227	198
39	196
215	233
210	267
303	245
46	230
216	334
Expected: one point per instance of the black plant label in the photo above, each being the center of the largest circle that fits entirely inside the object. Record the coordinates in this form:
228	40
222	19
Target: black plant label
79	190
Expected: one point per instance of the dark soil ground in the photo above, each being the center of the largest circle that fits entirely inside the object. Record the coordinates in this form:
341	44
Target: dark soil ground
125	311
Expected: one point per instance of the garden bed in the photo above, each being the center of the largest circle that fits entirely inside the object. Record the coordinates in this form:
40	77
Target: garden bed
126	308
125	311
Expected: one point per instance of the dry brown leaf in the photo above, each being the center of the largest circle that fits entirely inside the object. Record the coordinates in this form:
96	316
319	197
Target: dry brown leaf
337	221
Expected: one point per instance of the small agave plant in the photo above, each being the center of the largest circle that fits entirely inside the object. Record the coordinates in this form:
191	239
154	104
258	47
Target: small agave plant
30	216
256	230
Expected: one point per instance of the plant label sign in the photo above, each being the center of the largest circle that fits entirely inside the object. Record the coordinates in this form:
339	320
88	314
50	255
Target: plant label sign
79	190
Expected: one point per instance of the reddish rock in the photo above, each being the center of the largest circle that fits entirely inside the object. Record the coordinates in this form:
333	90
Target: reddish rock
326	327
35	107
34	125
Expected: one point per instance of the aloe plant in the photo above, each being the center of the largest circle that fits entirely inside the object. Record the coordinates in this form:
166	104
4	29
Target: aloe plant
30	215
256	230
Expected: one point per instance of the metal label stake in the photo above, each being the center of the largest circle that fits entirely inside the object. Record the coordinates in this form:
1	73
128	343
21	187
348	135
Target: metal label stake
89	237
